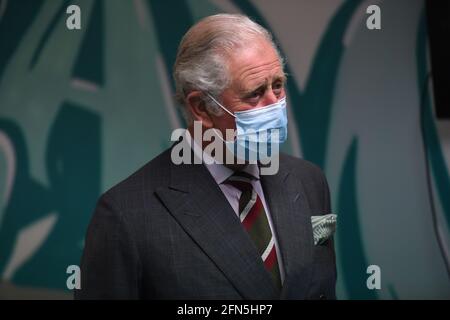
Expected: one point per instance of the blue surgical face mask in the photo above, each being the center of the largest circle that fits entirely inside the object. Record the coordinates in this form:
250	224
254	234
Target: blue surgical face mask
259	131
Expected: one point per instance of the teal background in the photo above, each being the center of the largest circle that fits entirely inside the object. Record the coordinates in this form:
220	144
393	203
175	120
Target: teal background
80	110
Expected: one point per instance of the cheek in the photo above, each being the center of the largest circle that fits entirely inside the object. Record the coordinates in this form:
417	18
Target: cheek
224	122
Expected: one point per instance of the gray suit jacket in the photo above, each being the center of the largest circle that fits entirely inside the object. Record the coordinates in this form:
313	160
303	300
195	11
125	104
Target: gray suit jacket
168	232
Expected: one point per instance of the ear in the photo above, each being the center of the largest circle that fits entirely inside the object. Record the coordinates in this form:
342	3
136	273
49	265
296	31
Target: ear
197	107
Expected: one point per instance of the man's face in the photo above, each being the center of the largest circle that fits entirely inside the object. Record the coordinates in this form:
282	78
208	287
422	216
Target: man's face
257	81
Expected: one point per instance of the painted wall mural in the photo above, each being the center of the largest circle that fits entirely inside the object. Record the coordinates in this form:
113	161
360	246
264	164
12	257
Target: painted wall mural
80	110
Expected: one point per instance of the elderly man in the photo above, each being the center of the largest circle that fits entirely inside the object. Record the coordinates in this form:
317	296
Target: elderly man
215	229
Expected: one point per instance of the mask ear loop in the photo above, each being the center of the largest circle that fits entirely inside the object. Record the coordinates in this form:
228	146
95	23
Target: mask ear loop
223	108
220	105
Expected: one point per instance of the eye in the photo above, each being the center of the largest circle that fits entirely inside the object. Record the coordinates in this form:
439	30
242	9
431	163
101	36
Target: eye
277	87
254	96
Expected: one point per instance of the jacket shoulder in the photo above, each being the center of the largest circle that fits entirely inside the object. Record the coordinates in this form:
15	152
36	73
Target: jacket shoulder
313	180
301	166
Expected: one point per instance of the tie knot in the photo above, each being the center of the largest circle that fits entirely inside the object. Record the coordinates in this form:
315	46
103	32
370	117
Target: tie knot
241	180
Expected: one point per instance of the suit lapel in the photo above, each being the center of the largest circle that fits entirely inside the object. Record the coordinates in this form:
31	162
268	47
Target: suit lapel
198	204
290	212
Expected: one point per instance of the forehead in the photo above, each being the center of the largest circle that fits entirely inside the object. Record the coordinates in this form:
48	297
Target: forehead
254	65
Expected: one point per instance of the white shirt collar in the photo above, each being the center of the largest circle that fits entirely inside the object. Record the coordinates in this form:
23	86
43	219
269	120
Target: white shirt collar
219	172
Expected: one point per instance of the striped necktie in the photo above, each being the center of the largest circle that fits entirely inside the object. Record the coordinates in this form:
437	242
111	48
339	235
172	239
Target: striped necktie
254	220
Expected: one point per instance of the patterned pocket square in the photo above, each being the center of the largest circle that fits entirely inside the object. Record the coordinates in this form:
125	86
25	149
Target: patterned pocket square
323	227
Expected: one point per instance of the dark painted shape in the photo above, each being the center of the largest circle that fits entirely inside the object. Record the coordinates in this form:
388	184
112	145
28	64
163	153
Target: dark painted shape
89	64
15	21
73	161
48	31
431	136
172	19
353	259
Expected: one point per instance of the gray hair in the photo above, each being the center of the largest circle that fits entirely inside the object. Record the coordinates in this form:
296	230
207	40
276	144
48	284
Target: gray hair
202	54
